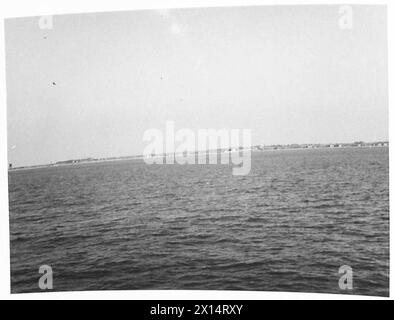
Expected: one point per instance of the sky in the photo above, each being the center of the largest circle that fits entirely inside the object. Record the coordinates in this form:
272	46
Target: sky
94	83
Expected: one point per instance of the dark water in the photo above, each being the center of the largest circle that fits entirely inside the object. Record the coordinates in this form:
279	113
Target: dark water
287	226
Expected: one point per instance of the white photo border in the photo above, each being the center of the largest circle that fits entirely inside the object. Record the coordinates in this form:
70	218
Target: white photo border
22	8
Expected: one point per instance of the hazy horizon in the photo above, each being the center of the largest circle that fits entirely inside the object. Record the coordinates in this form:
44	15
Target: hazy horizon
94	83
200	151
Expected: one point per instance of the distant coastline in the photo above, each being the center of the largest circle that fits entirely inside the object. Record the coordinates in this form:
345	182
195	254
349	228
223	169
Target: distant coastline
256	148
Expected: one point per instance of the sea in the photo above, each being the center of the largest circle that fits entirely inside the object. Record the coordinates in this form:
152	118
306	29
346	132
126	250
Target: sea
289	225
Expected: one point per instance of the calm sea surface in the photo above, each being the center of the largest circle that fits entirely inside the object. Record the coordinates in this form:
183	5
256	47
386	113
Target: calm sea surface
287	226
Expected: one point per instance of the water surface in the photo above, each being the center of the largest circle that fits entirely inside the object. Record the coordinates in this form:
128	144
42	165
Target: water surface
287	226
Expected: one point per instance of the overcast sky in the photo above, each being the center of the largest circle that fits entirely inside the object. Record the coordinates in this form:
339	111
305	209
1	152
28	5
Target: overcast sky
289	74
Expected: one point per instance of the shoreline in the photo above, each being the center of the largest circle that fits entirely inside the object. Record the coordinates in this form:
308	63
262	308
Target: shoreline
202	153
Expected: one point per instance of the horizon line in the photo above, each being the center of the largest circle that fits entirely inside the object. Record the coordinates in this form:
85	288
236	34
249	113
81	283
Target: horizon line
125	157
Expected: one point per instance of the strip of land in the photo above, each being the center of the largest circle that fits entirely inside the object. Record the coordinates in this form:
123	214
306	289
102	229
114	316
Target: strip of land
357	144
